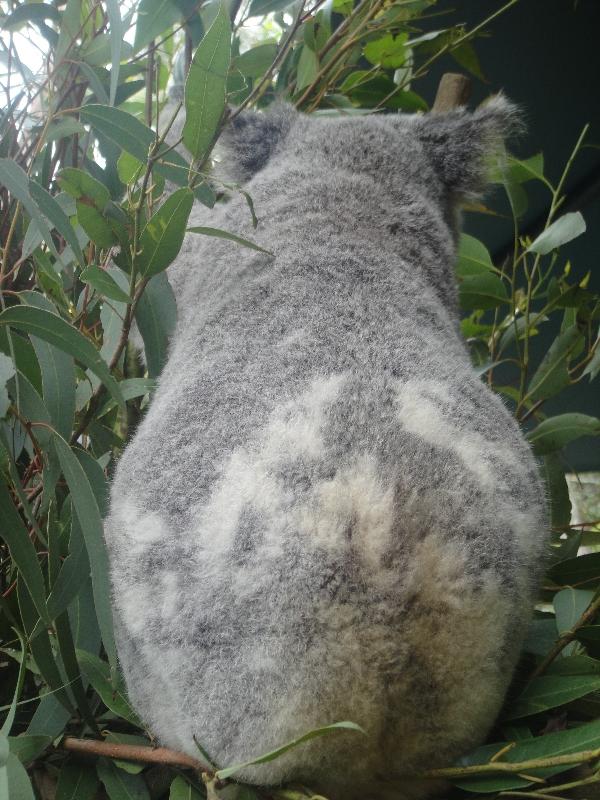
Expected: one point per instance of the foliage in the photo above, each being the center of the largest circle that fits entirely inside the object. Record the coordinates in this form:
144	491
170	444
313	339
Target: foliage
87	234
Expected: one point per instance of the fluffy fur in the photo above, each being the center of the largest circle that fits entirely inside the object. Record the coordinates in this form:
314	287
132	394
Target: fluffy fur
325	514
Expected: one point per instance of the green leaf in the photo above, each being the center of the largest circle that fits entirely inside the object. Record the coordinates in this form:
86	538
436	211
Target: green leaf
163	235
49	718
51	209
255	62
557	490
569	604
30	12
77	782
22	552
473	257
101	280
129	168
466	56
482	291
259	8
550	691
552	375
220	234
26	748
563	230
574	665
10	717
584	737
130	389
556	432
88	514
154	17
529	169
308	68
388	52
63	128
80	184
19	785
112	693
205	87
583	570
593	368
182	790
132	136
7	370
279	751
116	44
73	573
54	330
121	128
156	316
16	181
121	785
46	660
58	375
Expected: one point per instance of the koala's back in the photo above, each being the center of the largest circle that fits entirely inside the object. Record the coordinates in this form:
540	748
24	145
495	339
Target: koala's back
325	514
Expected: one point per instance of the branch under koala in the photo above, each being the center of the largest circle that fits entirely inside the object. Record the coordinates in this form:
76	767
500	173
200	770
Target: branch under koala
129	752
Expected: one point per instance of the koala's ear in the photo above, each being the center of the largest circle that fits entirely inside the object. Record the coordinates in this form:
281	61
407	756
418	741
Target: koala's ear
251	138
462	144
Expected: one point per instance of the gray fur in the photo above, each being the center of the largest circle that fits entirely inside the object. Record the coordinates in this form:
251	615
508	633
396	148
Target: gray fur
325	514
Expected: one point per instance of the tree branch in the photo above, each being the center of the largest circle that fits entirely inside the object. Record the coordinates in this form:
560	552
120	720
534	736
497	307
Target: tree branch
130	752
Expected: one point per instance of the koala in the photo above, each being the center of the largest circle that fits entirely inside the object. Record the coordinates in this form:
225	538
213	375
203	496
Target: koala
325	514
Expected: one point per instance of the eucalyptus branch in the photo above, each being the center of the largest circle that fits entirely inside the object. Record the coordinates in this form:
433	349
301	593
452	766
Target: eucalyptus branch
514	767
281	54
447	48
585	619
129	752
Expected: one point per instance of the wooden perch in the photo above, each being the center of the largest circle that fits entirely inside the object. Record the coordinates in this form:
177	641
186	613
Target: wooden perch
130	752
454	91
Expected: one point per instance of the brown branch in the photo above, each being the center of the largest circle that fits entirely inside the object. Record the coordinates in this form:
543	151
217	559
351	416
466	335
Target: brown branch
130	752
567	638
454	91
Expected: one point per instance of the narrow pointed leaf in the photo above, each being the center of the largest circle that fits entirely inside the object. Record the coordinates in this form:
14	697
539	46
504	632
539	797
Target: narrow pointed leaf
16	181
53	329
205	87
279	751
101	280
220	234
51	209
88	514
162	237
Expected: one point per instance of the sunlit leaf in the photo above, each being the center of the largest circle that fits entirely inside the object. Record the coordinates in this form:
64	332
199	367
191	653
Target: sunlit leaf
563	230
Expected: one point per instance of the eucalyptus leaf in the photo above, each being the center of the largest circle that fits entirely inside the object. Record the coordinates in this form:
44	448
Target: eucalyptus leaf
205	86
563	230
162	237
279	751
556	432
54	330
220	234
101	280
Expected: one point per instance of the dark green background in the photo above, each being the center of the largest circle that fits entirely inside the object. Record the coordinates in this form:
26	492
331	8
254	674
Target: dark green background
545	55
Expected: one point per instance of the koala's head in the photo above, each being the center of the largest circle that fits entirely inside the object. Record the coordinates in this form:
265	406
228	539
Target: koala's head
444	155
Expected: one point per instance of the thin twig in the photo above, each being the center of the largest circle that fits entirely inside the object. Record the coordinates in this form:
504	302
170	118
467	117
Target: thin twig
567	638
515	767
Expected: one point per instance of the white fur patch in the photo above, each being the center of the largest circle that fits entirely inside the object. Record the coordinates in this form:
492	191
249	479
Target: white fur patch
295	430
421	412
